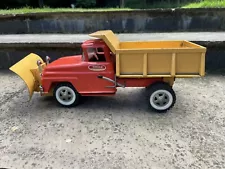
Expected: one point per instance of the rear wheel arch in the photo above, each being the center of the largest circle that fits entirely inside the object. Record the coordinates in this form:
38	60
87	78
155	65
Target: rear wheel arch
156	83
164	80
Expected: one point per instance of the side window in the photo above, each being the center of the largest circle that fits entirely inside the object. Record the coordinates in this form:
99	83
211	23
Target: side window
100	51
101	54
92	57
96	55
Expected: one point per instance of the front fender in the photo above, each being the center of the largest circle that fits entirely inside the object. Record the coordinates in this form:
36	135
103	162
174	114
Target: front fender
48	84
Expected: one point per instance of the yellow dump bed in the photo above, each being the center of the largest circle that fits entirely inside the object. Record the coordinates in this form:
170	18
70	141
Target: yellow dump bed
155	58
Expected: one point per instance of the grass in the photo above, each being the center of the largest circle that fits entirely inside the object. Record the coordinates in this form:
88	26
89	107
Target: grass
206	3
200	4
47	9
161	4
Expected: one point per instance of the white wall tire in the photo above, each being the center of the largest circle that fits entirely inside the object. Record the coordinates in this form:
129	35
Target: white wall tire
66	95
161	97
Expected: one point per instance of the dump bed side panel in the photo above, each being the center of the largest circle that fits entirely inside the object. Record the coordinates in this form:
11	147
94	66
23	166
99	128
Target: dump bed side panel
161	63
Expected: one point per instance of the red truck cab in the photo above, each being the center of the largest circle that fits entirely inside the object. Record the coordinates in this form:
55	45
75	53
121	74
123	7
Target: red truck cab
83	71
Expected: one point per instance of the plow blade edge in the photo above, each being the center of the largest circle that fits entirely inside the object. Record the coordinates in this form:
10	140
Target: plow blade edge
27	69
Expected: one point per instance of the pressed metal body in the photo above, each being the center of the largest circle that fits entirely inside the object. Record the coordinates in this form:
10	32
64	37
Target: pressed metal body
120	64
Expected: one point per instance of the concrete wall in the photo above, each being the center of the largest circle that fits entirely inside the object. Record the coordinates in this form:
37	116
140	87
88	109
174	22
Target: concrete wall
12	53
161	20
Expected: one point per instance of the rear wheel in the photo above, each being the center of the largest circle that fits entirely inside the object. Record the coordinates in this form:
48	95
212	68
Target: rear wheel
66	95
161	97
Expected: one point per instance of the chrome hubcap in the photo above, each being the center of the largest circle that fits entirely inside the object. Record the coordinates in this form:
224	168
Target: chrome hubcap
161	99
65	95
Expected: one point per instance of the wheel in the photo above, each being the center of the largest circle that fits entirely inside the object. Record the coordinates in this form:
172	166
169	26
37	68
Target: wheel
161	97
66	95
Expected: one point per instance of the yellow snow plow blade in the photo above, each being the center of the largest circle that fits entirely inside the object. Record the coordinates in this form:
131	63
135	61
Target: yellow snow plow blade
28	71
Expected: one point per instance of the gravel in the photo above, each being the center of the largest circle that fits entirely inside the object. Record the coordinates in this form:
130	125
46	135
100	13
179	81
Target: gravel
114	132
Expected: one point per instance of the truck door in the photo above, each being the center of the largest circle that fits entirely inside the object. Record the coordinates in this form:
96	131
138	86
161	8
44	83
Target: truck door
100	65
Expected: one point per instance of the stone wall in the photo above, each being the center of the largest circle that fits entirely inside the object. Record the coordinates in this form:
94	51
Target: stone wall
12	53
135	21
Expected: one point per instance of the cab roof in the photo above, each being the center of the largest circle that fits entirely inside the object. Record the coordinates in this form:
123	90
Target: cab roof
93	42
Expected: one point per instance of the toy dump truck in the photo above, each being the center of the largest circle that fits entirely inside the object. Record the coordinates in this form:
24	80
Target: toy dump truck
106	64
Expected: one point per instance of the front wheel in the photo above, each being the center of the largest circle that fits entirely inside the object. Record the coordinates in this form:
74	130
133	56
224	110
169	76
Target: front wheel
161	97
66	95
